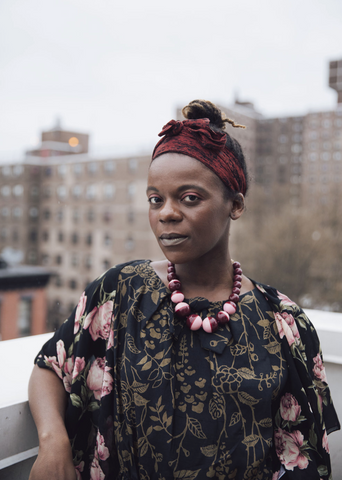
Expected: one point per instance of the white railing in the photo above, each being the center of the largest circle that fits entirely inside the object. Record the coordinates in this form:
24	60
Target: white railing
18	435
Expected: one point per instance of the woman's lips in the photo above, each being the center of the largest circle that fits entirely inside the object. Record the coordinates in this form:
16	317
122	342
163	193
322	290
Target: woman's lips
172	240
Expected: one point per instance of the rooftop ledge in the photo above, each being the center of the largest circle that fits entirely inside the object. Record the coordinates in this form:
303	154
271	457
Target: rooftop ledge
19	441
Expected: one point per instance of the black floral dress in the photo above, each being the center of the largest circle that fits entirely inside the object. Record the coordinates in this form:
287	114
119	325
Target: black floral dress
150	399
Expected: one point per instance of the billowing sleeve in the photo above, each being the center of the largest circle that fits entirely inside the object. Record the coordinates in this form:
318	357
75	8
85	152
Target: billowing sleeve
81	354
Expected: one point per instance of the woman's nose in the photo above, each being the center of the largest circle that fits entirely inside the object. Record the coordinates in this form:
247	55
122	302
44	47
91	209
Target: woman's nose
169	212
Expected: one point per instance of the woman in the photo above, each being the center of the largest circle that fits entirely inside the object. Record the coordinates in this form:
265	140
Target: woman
184	368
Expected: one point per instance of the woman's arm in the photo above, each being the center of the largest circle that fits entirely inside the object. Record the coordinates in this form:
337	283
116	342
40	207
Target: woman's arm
47	399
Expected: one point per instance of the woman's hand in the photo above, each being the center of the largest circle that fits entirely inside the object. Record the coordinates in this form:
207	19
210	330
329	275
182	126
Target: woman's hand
47	399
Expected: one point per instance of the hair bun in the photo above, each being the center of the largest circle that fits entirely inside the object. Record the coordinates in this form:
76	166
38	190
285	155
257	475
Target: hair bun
204	109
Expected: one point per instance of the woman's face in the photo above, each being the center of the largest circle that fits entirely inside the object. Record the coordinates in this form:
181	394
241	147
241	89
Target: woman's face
189	213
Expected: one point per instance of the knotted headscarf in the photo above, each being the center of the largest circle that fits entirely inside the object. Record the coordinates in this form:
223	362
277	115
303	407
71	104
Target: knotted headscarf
196	139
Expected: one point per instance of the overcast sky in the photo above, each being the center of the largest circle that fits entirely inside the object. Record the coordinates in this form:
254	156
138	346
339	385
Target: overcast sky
117	70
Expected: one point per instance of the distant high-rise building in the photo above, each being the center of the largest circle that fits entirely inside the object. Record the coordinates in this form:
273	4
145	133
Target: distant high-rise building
335	78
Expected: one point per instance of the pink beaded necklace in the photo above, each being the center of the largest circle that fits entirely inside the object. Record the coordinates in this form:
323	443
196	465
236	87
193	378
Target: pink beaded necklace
194	321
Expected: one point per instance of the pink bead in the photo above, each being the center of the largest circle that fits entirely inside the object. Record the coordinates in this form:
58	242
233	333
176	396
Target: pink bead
234	297
174	285
170	264
236	290
182	309
170	269
237	271
194	322
177	296
210	324
237	265
171	276
222	317
237	278
237	284
229	307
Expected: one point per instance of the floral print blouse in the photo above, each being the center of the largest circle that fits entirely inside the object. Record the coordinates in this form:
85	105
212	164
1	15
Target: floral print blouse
150	399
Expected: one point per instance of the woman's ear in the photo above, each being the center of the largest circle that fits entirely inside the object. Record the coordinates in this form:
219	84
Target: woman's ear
238	206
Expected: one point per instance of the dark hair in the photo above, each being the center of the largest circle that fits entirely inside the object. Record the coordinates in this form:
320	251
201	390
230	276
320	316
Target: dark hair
218	120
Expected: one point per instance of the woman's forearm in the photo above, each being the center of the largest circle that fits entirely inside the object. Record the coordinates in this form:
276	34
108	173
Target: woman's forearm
47	399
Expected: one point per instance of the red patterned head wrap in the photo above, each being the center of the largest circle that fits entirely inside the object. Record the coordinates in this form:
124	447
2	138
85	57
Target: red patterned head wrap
196	139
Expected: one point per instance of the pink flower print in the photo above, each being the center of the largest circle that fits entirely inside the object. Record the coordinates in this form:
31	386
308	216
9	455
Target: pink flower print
61	353
287	326
285	300
99	321
95	470
79	367
289	408
288	447
54	364
80	311
110	343
325	443
78	469
102	450
68	370
95	377
108	381
319	369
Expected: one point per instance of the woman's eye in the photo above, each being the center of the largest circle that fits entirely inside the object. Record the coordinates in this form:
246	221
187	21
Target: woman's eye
190	198
154	200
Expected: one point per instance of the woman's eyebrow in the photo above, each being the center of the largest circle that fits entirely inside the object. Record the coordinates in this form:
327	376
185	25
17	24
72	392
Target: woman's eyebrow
151	189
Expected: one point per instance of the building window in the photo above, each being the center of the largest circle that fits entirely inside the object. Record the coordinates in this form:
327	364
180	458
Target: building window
75	259
106	264
74	238
15	235
59	215
107	240
59	259
73	284
33	236
5	212
76	215
109	167
337	156
91	192
58	281
33	212
92	167
91	215
34	191
62	191
45	236
45	259
88	261
6	171
131	189
32	256
24	316
325	156
89	239
133	165
5	191
60	237
109	191
129	244
18	170
283	138
78	169
296	148
62	170
77	191
18	190
4	233
48	172
107	216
